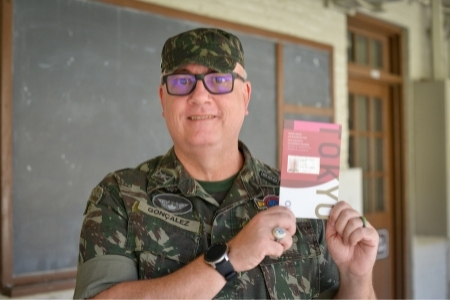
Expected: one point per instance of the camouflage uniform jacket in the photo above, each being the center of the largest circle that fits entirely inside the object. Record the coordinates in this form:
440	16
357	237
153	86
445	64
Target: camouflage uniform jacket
133	213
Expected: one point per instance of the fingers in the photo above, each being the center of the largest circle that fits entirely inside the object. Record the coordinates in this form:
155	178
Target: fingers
337	210
279	247
352	246
283	217
279	223
368	236
256	240
348	224
286	243
276	219
277	216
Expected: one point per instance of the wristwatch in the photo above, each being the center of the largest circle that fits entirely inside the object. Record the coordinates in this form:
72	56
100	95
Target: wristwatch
217	257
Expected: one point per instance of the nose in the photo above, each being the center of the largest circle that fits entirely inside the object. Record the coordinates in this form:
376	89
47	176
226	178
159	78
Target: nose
200	94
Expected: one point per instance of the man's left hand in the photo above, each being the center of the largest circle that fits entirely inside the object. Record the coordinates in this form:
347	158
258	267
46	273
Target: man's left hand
352	246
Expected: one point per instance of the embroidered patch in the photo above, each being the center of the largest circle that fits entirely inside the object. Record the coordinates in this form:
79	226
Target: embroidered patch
180	222
172	203
269	177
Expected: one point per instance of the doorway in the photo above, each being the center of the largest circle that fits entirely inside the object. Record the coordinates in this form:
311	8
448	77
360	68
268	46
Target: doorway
375	135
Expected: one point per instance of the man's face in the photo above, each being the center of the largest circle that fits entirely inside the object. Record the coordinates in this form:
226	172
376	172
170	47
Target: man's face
202	119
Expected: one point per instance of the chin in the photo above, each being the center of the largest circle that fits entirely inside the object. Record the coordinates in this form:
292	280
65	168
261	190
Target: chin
205	143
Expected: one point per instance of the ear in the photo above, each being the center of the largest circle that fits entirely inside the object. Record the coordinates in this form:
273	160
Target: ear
247	91
162	98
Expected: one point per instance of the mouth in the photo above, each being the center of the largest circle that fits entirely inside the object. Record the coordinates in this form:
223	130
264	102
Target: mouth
204	117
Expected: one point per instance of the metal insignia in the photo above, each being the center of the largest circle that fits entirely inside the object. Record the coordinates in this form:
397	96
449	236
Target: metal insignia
271	200
260	204
172	203
163	176
171	189
267	202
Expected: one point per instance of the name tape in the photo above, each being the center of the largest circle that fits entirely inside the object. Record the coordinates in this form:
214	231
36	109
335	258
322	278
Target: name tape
183	223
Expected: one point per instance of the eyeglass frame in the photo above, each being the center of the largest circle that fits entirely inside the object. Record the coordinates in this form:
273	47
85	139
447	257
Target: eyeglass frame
201	77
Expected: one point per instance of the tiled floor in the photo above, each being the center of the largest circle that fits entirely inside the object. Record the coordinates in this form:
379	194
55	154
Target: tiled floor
66	294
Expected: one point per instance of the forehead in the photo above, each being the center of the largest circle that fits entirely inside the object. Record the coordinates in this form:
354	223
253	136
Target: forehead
193	68
200	69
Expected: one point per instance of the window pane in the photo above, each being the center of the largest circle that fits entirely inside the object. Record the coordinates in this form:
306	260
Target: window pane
376	51
363	153
351	153
377	115
350	47
361	50
306	76
379	193
366	196
378	154
361	113
351	117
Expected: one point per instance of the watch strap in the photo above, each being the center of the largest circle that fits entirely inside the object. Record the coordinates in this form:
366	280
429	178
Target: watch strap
225	268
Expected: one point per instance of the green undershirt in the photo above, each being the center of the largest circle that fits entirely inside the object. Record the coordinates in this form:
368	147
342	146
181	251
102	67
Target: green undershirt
218	189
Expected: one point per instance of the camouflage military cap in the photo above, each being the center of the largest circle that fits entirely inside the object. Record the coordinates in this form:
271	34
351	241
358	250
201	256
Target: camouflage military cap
210	47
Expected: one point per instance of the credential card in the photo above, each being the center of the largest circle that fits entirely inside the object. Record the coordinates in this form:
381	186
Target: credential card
310	164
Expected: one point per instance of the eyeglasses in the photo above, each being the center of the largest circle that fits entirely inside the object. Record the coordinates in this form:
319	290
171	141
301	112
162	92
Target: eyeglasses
215	83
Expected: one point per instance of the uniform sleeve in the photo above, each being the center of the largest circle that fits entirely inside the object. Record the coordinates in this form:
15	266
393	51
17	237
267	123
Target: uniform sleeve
101	273
329	272
103	239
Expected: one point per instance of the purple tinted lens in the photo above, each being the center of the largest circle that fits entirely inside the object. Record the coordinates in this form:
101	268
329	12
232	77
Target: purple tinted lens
180	84
219	83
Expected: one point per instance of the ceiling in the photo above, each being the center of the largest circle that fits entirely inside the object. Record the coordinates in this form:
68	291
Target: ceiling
378	5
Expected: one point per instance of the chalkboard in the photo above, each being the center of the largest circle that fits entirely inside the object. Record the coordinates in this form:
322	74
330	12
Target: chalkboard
85	103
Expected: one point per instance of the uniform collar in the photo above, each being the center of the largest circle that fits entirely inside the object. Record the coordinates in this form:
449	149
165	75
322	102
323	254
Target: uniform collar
170	175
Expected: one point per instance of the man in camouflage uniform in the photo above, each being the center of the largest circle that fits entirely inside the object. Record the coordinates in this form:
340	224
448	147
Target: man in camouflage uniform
145	229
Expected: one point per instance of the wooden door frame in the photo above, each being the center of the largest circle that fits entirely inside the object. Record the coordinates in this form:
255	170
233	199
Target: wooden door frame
384	270
394	78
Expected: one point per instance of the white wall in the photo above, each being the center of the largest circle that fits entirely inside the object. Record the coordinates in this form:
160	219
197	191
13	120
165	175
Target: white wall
431	243
431	261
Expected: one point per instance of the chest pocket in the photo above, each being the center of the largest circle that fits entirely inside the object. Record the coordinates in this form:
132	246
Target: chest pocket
163	242
296	273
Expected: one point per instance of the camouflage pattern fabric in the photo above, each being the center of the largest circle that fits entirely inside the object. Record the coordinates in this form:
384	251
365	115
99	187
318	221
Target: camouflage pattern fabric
123	218
213	48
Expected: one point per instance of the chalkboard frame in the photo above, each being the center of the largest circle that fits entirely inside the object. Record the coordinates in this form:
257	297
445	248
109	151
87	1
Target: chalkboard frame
14	286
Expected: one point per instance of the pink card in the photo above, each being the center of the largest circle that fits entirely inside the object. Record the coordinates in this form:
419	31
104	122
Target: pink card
310	162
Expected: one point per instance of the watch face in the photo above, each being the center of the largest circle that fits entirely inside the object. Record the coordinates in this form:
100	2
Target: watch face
216	252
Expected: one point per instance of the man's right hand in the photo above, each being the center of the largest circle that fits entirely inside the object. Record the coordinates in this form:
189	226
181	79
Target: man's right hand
255	241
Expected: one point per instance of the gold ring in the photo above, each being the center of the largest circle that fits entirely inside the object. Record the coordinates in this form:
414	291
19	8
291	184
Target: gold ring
364	220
